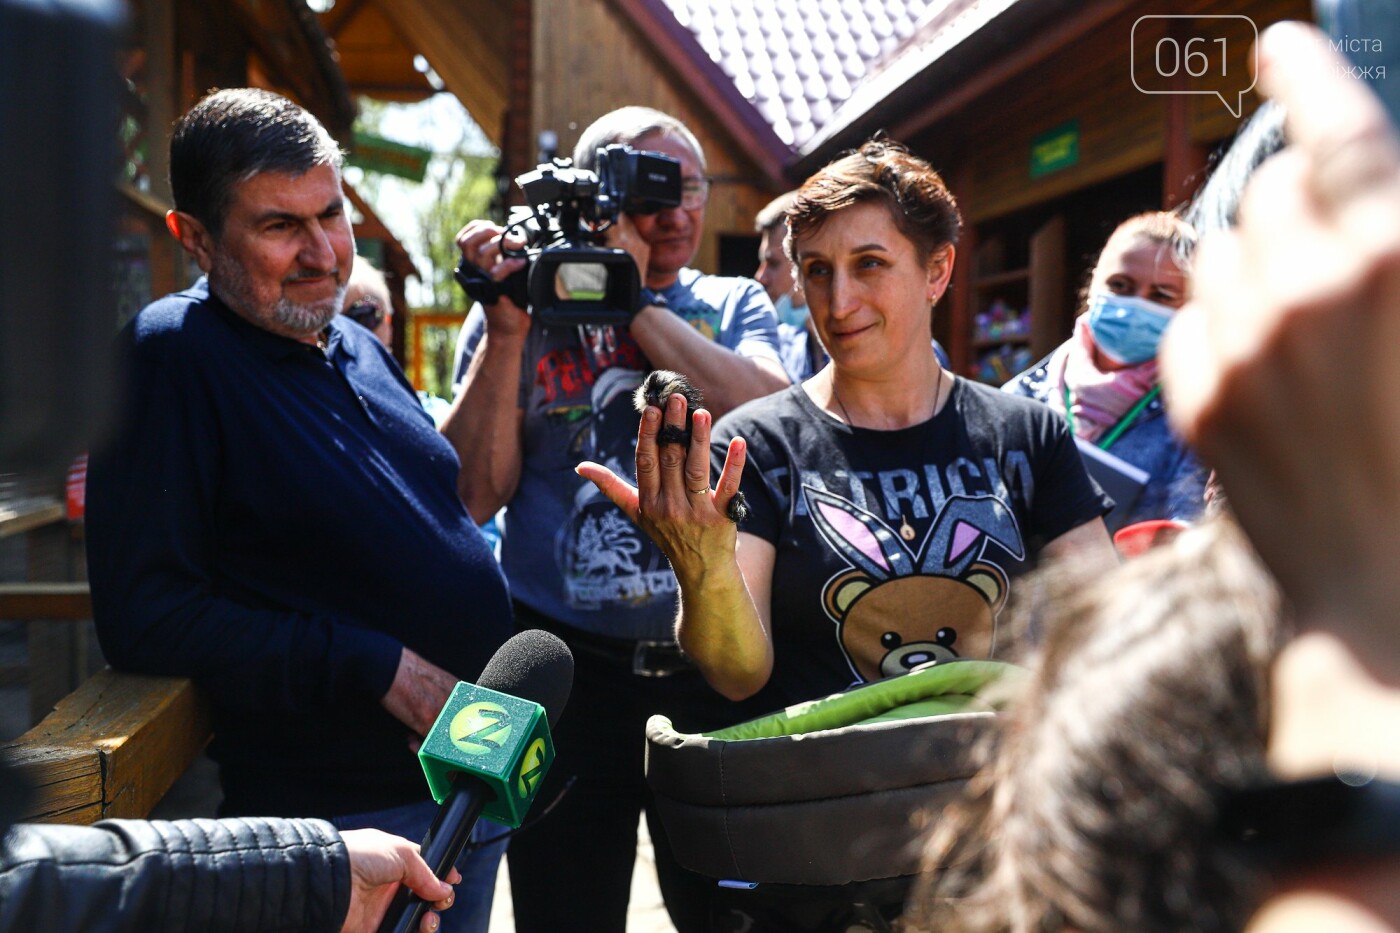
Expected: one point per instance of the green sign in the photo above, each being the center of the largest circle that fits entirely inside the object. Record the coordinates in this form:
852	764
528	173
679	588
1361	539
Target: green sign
1055	149
374	154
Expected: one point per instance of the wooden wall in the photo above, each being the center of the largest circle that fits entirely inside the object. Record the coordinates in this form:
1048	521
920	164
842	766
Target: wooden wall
588	60
987	145
983	149
468	42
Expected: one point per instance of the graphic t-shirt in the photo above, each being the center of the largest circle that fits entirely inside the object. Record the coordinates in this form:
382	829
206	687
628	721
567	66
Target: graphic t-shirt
567	551
899	547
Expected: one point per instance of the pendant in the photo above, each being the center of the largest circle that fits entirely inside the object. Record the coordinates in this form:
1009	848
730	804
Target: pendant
906	531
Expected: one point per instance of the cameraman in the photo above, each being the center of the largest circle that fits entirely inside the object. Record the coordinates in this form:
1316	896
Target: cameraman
535	401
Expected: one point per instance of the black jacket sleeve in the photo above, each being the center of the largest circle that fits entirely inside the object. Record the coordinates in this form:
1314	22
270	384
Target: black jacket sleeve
151	876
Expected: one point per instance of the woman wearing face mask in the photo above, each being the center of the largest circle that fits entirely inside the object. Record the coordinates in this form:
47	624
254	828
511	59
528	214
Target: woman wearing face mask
1104	378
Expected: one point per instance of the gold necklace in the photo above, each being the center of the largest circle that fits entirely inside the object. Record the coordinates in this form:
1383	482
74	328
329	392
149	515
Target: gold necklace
906	530
937	391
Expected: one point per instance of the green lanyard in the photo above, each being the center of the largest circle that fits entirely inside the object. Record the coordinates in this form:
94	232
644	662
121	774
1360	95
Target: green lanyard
1107	440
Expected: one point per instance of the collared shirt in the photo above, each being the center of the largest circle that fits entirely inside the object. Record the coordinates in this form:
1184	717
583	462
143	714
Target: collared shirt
276	521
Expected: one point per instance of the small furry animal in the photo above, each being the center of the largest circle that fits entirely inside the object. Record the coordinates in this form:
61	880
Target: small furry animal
656	389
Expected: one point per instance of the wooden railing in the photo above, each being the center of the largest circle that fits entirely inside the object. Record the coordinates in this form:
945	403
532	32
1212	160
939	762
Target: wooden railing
59	656
113	746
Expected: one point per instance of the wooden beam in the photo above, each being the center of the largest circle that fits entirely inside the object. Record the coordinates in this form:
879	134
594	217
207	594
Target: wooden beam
1184	162
214	45
466	43
372	228
297	65
65	783
1037	50
162	89
398	93
144	200
67	601
374	56
340	16
28	514
111	748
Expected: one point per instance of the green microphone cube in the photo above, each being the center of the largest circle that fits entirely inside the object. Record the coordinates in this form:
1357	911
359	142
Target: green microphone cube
501	739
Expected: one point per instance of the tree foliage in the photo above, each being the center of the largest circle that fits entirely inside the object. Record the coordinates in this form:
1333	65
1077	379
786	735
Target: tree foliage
459	185
466	188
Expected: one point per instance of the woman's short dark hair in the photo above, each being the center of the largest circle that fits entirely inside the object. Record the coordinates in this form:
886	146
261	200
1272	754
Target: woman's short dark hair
234	134
884	172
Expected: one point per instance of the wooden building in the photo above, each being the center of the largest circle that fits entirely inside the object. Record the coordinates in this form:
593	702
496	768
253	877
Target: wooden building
175	52
1029	109
526	67
1041	130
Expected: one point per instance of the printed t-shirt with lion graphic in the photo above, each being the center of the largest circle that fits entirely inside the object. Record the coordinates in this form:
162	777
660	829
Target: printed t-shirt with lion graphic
569	553
899	547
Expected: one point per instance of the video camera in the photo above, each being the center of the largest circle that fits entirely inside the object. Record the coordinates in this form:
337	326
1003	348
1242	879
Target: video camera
571	279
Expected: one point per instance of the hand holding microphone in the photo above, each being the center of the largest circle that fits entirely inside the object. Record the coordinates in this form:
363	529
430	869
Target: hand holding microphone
488	752
381	863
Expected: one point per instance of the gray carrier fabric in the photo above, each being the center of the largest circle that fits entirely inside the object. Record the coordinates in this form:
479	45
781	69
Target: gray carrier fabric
822	808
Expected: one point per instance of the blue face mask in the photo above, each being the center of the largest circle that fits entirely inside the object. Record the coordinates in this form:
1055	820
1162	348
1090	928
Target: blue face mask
789	313
1126	329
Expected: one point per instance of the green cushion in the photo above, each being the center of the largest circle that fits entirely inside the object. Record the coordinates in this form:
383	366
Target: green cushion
947	687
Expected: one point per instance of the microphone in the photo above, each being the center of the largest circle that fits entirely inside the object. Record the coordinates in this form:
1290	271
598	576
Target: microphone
488	751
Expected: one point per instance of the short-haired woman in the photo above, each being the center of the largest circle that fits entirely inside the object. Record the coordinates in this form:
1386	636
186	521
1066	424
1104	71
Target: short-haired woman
892	503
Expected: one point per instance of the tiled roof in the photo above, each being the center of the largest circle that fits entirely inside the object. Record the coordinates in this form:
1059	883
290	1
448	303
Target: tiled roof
796	61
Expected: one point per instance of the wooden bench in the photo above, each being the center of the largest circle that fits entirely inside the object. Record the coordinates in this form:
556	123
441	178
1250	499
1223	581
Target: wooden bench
111	748
114	745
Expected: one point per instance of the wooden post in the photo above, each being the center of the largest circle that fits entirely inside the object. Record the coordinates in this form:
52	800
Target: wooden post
1047	287
56	636
1183	161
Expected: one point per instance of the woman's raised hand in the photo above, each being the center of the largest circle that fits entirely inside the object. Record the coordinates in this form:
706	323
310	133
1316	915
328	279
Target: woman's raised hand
672	501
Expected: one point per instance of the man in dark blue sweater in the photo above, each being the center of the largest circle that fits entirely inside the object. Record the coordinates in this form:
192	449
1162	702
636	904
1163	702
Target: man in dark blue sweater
276	517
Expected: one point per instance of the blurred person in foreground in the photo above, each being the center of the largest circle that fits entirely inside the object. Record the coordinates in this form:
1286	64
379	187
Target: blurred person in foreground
276	517
535	401
893	503
1281	371
1098	807
1103	379
801	349
235	875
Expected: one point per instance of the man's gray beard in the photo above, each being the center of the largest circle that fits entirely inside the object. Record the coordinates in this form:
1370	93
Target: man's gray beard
229	281
307	319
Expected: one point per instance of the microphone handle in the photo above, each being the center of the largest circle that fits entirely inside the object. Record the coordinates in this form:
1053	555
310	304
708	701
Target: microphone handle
446	838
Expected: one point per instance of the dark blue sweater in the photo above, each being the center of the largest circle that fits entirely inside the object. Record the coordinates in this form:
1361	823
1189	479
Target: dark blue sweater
276	522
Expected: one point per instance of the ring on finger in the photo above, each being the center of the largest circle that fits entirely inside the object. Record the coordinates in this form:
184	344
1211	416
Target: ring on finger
704	491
